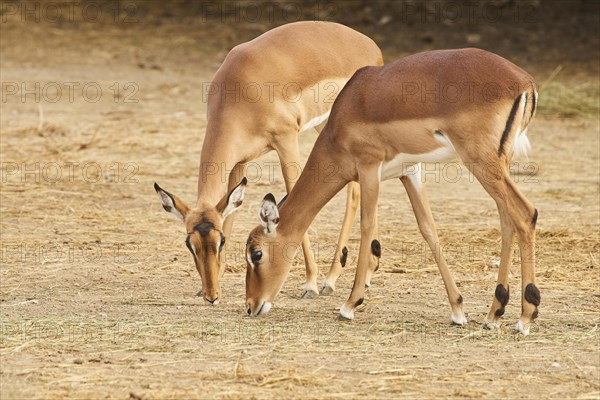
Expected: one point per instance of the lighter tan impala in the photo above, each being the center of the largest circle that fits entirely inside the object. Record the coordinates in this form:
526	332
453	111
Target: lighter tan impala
264	94
428	107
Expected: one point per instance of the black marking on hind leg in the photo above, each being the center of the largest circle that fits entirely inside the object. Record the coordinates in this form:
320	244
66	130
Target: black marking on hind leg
532	294
359	302
459	300
502	295
344	256
509	123
376	248
534	219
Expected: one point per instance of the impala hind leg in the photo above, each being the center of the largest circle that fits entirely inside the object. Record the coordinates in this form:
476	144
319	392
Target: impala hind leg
420	204
521	214
341	254
289	156
370	249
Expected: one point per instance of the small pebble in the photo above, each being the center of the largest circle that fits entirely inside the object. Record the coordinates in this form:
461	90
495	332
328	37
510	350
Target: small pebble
473	38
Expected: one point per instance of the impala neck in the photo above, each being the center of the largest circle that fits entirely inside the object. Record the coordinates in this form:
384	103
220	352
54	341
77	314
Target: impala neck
218	158
315	187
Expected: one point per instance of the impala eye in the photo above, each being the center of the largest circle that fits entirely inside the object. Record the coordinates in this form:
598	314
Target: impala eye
222	242
256	256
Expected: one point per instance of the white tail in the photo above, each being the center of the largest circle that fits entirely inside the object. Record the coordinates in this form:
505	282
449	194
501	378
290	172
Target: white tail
521	146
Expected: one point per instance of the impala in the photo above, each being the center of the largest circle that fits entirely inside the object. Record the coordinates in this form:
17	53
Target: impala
381	128
264	94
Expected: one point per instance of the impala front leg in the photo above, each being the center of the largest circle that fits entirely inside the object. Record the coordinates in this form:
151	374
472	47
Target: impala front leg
374	261
341	254
370	248
417	195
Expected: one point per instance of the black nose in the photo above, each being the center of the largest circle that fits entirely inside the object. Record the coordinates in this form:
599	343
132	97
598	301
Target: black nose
212	301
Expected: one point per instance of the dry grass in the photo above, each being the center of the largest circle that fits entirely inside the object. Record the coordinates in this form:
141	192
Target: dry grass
129	323
569	98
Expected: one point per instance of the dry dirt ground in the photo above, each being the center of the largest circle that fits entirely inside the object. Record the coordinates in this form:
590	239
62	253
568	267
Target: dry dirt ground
98	291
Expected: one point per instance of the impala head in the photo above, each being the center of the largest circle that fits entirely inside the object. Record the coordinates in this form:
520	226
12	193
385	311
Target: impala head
204	234
268	257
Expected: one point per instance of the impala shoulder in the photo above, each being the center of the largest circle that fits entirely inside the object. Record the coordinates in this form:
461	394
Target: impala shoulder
351	99
363	72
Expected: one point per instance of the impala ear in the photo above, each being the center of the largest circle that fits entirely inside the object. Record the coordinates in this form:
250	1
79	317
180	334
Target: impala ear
268	214
233	200
172	204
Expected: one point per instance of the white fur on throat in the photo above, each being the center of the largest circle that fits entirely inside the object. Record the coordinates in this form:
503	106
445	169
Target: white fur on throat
315	121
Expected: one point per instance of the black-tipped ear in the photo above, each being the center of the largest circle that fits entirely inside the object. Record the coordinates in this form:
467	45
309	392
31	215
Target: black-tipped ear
233	200
282	200
269	197
172	204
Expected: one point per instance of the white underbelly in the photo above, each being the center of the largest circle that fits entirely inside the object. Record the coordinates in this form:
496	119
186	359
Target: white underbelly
404	163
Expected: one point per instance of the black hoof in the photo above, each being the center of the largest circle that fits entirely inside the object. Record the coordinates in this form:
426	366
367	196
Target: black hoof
309	295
